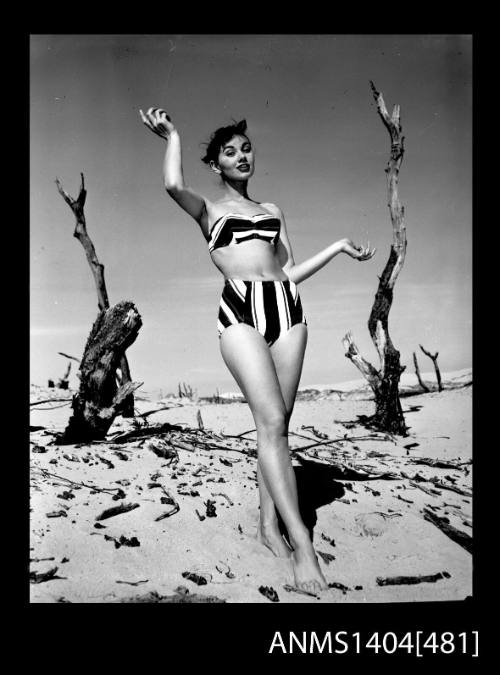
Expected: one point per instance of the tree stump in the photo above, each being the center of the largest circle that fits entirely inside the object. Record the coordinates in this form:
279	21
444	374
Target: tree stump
77	206
99	400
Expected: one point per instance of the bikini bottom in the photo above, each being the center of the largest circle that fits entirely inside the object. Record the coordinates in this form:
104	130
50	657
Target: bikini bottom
272	307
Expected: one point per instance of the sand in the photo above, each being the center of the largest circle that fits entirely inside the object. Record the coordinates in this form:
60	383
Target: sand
366	526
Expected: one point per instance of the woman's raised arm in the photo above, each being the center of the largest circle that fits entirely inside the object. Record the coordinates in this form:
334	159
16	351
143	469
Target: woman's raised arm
160	124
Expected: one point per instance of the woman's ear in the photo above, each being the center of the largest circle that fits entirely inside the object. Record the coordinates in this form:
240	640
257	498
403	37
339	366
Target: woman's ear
214	166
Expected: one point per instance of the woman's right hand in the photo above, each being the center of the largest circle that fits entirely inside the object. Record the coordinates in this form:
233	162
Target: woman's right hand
158	121
359	253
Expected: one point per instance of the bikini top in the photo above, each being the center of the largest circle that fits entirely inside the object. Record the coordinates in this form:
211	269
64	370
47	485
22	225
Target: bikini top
234	228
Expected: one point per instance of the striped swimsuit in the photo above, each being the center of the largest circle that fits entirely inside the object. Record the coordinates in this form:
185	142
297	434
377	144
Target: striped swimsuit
269	306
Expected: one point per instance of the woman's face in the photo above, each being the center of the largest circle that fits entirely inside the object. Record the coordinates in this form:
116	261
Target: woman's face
236	159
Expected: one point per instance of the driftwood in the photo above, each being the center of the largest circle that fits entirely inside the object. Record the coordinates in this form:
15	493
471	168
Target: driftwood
417	373
40	577
98	399
49	400
339	586
77	206
427	490
453	488
269	593
75	484
433	358
440	463
181	594
123	541
426	578
294	589
385	381
461	538
116	510
144	433
327	557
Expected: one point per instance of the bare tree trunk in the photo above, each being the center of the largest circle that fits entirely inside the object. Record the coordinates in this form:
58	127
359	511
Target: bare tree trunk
385	381
99	400
77	206
417	373
433	357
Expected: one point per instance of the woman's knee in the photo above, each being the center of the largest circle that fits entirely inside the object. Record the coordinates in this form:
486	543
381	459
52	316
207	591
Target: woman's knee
273	422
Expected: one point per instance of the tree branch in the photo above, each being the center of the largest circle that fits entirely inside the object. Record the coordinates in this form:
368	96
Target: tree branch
366	368
417	373
393	125
122	393
433	358
69	357
76	205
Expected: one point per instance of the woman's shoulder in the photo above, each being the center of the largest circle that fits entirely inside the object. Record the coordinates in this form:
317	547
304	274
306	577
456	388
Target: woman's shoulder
272	208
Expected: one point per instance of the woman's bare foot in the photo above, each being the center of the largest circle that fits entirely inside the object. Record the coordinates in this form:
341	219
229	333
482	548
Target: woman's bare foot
307	573
270	535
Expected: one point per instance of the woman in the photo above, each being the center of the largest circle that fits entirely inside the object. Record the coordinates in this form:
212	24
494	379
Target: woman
262	328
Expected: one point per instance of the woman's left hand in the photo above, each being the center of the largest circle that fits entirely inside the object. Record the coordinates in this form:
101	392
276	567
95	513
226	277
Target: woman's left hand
357	252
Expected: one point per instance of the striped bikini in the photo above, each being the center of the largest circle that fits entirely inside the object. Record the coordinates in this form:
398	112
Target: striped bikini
270	306
234	228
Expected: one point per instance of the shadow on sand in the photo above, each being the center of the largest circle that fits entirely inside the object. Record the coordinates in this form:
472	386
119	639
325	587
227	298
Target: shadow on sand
316	486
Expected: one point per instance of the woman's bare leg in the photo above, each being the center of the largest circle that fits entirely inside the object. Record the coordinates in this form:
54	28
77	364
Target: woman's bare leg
249	359
288	357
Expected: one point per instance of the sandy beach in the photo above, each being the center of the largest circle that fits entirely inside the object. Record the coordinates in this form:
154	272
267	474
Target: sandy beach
187	532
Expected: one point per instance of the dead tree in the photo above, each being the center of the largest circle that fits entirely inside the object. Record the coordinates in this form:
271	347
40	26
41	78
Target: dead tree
77	206
433	357
99	400
417	373
385	381
185	390
64	381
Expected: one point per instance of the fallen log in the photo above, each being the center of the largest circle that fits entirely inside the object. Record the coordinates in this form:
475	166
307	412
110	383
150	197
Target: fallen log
426	578
461	538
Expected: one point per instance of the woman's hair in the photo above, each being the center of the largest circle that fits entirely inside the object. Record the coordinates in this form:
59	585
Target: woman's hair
220	137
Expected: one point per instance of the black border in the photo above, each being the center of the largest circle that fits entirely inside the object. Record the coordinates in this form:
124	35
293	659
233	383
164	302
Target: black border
243	633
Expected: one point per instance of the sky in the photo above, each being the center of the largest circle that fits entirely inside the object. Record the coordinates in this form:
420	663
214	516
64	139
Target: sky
321	154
